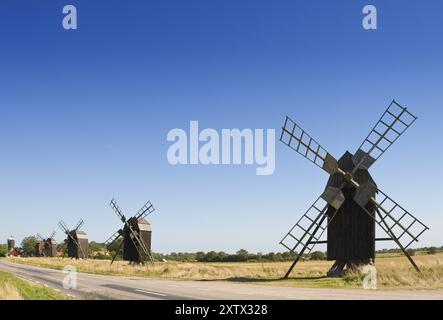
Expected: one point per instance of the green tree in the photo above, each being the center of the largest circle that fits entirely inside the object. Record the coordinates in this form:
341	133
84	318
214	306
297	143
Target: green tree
158	256
270	256
96	246
289	256
200	256
211	256
318	255
3	250
242	255
432	250
278	257
222	256
28	245
259	256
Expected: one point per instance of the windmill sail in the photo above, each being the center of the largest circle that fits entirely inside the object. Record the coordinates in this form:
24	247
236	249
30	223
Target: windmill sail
392	124
300	141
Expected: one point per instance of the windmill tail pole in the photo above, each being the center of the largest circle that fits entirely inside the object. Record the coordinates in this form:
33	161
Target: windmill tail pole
393	237
293	265
116	253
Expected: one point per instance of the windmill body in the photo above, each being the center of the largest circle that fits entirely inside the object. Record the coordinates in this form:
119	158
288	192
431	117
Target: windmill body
78	246
351	230
50	248
39	248
352	205
130	250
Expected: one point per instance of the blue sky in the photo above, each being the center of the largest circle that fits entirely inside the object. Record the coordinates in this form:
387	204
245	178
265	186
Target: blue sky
84	114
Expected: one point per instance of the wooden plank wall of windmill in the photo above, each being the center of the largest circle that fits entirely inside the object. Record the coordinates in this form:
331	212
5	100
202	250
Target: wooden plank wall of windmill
351	234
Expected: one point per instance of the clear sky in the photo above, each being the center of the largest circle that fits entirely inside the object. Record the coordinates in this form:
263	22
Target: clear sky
84	114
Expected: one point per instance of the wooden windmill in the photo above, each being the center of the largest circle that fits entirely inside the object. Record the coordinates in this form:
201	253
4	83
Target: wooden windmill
76	243
352	205
46	247
135	236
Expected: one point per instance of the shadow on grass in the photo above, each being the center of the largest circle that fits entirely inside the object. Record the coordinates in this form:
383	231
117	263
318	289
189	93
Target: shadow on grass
264	280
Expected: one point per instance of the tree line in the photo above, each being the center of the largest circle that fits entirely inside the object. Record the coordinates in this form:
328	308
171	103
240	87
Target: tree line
241	255
100	251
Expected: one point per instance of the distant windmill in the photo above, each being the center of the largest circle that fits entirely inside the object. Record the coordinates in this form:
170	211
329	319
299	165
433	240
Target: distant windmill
46	247
39	246
348	208
136	234
76	242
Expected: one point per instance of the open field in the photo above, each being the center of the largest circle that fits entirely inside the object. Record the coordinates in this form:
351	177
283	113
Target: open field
14	288
105	287
394	272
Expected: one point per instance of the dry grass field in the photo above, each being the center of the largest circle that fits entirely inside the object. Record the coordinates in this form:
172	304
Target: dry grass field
9	292
393	272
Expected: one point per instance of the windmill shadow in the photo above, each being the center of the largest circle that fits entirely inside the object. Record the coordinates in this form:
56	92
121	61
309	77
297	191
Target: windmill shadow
307	278
264	280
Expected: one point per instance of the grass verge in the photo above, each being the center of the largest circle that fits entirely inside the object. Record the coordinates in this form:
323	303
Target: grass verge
14	288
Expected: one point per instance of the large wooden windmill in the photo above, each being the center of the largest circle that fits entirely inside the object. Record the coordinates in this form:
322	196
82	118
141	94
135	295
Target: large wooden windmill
136	234
352	204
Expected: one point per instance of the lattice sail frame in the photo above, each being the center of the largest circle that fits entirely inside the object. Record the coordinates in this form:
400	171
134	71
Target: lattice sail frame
300	141
118	211
116	235
304	233
146	210
392	124
79	225
397	221
62	225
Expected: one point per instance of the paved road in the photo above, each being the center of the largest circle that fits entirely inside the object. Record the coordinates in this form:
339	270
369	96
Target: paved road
113	287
